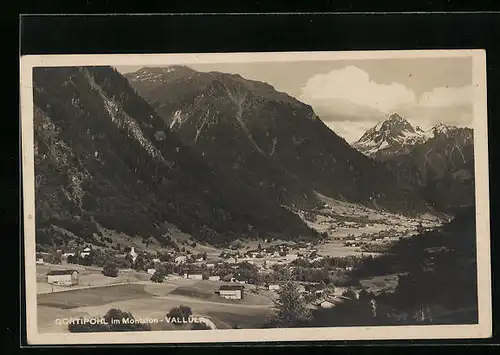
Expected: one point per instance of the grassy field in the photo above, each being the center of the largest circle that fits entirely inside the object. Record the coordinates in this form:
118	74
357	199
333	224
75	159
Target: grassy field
92	296
380	283
205	290
89	276
153	301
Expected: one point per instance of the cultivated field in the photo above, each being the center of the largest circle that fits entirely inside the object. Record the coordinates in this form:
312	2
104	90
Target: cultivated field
89	276
153	301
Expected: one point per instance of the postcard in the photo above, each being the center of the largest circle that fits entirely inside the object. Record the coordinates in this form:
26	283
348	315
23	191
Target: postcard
252	197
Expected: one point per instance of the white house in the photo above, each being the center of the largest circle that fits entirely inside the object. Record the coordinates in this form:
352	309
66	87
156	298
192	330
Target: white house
210	265
270	262
151	271
62	277
39	261
214	278
235	292
180	259
156	260
133	254
86	252
274	287
195	276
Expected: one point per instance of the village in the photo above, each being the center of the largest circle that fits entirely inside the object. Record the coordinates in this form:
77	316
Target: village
234	285
234	273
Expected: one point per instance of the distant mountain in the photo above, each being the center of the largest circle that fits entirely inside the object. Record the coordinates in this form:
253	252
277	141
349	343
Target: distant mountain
441	169
391	137
104	158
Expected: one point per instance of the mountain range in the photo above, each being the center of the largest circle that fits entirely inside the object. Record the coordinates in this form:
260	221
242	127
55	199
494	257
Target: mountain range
268	140
218	157
105	159
395	136
439	163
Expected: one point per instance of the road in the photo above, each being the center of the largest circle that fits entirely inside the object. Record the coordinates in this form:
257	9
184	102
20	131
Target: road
194	300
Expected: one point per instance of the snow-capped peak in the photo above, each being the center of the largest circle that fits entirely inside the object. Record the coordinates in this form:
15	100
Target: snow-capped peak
392	135
441	128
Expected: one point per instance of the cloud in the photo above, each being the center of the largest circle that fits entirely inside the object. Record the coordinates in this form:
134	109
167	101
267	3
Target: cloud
350	103
447	96
349	130
354	85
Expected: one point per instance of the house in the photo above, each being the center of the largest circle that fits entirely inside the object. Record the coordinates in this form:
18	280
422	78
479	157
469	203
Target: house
156	260
195	276
273	287
63	277
181	259
339	291
326	304
234	292
214	278
86	252
210	265
39	261
133	254
231	260
151	271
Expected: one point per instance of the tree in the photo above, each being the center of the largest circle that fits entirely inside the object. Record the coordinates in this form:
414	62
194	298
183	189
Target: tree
158	276
290	309
116	319
56	258
110	269
259	247
180	314
142	262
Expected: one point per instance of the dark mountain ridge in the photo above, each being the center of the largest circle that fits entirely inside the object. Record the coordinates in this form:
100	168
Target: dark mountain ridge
268	139
441	169
103	157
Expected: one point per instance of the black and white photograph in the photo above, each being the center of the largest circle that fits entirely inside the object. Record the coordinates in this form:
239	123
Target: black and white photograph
255	197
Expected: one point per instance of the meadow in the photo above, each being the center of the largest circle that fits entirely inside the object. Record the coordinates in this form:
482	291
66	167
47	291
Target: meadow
153	301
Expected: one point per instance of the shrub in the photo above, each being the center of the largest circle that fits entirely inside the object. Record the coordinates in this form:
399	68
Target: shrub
181	314
158	276
110	269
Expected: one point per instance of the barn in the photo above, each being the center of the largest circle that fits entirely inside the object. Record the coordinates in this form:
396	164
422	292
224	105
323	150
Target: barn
235	292
63	277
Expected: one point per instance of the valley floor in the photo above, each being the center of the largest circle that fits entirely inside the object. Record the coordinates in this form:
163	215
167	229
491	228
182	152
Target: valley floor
132	291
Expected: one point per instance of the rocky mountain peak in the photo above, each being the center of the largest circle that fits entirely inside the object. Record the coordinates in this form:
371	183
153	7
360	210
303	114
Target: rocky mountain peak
391	135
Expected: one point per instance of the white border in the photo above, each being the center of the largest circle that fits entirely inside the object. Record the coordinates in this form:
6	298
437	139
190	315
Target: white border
481	330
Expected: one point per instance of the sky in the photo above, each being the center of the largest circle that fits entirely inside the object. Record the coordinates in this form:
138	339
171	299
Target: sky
351	96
